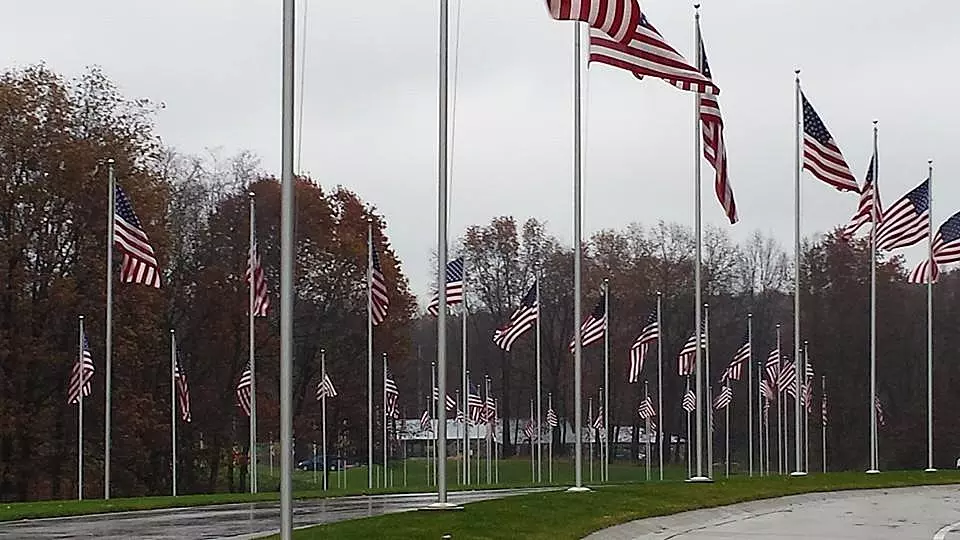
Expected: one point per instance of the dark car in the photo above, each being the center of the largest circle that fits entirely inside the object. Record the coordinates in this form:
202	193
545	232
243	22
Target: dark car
333	463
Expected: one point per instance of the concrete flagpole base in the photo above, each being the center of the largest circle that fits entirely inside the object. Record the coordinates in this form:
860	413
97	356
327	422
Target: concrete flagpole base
873	471
798	473
699	480
582	489
439	506
930	470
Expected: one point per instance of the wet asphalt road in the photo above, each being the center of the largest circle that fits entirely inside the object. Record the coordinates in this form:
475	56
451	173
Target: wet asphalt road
238	521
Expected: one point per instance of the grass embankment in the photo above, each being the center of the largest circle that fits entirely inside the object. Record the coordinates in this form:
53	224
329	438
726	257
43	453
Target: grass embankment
561	515
513	473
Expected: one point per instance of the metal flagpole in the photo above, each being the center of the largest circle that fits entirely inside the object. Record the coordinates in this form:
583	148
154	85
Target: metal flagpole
823	425
539	396
797	471
930	326
490	426
726	445
466	399
173	408
577	307
806	408
698	294
253	361
689	436
313	447
533	460
458	439
760	438
286	280
386	440
434	400
660	383
592	433
708	399
370	353
550	442
750	388
605	467
646	396
80	418
779	394
874	466
108	355
323	415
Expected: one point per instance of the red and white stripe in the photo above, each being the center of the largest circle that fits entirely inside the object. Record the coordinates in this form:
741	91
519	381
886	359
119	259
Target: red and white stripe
261	300
924	272
616	18
243	392
865	209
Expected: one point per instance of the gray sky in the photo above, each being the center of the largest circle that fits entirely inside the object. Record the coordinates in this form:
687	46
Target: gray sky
370	107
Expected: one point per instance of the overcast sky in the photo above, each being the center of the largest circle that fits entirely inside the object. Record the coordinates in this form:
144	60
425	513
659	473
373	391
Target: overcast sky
371	85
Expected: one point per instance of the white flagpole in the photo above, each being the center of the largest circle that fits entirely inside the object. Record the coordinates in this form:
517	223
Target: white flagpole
173	407
80	418
726	445
605	467
646	396
370	352
592	433
253	361
750	388
386	441
689	436
533	460
313	447
458	438
874	465
708	399
779	395
433	400
933	264
698	293
286	278
806	408
660	383
823	427
550	442
577	250
466	399
760	438
108	355
539	396
490	426
323	415
797	470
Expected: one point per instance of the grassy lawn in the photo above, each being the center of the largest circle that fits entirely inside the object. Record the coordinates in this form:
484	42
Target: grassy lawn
560	515
513	473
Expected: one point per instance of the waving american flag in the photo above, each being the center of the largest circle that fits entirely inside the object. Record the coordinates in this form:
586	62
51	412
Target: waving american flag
907	221
648	335
454	281
139	263
615	18
821	155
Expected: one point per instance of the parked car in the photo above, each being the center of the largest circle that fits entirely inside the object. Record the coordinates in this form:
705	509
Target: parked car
333	463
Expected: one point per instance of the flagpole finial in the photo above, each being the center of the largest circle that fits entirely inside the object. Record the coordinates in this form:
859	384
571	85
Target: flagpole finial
797	72
659	294
929	162
110	161
778	326
81	317
706	305
805	343
696	7
749	315
322	351
172	331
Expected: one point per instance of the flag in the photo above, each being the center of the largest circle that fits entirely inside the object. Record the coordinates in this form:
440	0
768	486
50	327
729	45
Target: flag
325	388
688	355
881	420
139	263
552	418
474	404
864	213
454	279
787	376
425	420
81	374
821	155
183	391
723	399
391	393
460	416
616	18
808	388
735	370
689	401
646	410
243	392
766	390
450	403
378	289
598	421
261	300
522	320
645	52
927	271
530	429
907	221
638	351
823	408
490	410
945	250
593	327
773	368
714	148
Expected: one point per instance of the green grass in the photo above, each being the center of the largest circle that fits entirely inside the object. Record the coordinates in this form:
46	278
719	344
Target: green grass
561	515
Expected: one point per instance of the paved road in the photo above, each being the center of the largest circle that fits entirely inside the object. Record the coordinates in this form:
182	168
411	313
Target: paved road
927	513
237	521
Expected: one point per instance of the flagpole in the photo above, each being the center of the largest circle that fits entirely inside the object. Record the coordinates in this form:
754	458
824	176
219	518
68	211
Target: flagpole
550	443
592	433
323	414
698	295
577	255
646	396
539	390
689	436
823	425
466	417
286	278
750	388
708	398
173	407
385	416
370	353
796	284
108	355
533	461
807	397
726	446
933	267
490	426
759	404
660	382
434	399
253	371
606	381
80	417
779	394
874	465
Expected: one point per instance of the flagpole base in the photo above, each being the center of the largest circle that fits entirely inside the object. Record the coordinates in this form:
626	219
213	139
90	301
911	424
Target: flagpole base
797	474
441	506
578	489
873	471
929	469
699	480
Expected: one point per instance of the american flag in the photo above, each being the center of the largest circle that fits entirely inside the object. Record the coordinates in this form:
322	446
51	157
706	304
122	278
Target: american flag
454	278
723	399
821	155
450	403
183	391
646	410
391	394
616	18
325	388
598	421
714	148
649	334
864	213
552	420
646	53
425	420
261	300
490	410
460	418
81	374
735	370
688	355
881	419
530	429
689	401
823	408
243	392
378	289
474	404
808	388
767	390
773	367
907	221
945	250
593	327
139	263
787	376
522	320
